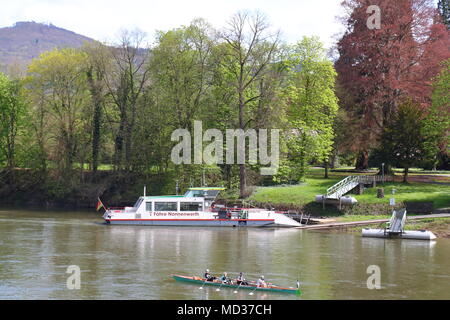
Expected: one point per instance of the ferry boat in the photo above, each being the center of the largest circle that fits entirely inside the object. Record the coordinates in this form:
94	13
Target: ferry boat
195	208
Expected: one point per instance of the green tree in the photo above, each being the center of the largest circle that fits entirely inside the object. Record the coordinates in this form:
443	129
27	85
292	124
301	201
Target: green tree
181	67
249	51
98	63
12	108
58	88
181	72
311	104
436	127
402	142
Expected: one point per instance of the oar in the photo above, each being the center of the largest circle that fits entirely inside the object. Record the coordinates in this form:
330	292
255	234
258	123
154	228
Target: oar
235	291
201	288
218	289
251	293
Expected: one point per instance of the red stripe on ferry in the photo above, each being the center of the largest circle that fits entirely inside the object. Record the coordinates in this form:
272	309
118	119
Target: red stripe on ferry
189	220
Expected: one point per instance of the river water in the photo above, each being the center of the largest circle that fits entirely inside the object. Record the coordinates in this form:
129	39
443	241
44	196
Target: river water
135	262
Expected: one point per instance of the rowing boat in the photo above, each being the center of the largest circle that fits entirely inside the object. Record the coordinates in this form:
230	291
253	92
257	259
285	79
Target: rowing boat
250	286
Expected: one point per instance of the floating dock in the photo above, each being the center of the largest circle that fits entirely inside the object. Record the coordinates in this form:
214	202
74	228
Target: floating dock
367	222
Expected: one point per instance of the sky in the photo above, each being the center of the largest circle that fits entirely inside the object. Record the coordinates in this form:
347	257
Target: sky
103	19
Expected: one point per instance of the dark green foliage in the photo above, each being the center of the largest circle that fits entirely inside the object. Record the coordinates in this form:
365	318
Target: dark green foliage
444	10
402	142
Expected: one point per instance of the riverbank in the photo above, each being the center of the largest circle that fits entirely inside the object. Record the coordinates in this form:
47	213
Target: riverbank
417	195
32	188
440	226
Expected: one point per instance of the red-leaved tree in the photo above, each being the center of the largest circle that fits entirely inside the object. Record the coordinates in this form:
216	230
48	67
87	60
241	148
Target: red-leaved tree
379	68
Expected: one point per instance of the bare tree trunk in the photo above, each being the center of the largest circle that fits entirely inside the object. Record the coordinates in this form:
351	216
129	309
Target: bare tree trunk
125	89
405	175
96	120
118	147
326	169
242	173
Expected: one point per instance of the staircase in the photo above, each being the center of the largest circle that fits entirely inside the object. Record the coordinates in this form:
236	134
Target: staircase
342	187
336	191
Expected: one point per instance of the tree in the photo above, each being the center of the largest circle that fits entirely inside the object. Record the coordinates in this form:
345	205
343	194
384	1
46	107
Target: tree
248	53
436	128
379	68
12	107
181	68
311	104
181	71
57	85
402	142
125	83
98	62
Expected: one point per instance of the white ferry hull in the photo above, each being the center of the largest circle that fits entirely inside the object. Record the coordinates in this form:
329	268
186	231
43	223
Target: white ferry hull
195	223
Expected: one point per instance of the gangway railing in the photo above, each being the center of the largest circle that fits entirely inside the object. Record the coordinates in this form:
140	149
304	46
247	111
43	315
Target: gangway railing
345	185
342	187
397	222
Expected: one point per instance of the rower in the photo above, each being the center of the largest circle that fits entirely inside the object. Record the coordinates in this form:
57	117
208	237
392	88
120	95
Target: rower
261	283
224	278
240	280
208	276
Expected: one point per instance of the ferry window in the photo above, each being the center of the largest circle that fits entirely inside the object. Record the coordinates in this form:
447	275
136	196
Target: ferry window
202	193
212	193
148	206
165	206
194	193
190	206
138	203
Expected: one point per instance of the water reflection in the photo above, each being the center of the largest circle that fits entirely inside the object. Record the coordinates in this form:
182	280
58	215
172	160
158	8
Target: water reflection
135	262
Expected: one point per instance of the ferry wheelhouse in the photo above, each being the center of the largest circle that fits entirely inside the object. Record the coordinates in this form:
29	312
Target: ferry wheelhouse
195	208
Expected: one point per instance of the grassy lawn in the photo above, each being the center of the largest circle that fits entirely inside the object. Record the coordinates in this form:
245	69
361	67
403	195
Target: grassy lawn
351	218
297	194
315	184
414	191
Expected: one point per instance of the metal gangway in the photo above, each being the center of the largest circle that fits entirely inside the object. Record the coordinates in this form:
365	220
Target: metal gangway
349	183
342	187
397	222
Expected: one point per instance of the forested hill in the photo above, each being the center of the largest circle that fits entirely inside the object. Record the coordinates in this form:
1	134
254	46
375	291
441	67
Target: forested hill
24	41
